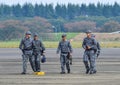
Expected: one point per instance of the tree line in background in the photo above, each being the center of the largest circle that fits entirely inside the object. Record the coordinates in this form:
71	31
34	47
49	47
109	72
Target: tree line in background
15	28
15	20
69	11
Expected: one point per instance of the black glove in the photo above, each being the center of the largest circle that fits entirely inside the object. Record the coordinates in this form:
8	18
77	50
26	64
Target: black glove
71	60
98	53
69	56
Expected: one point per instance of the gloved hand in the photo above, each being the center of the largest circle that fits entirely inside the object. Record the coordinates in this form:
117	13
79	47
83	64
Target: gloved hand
70	57
70	60
98	53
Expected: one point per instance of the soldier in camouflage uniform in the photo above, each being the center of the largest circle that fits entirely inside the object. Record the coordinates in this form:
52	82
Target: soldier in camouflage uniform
38	50
89	44
97	51
65	49
26	47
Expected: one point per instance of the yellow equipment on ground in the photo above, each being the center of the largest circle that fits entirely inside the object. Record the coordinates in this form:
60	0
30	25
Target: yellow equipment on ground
40	73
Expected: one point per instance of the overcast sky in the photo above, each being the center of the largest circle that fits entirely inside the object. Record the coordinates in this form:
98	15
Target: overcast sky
10	2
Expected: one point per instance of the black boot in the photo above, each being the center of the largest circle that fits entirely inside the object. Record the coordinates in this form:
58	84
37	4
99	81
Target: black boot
62	72
68	71
87	71
23	73
94	72
87	67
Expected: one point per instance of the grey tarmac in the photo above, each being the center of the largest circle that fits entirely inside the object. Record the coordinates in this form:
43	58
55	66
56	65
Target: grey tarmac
108	65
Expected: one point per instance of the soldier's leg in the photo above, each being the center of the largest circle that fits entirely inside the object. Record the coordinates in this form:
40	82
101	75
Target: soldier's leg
62	60
85	60
96	56
92	62
67	64
37	60
25	60
34	60
32	63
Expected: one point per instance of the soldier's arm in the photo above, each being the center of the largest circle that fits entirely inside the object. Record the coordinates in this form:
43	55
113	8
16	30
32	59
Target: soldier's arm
58	49
42	46
70	47
94	46
98	49
83	44
21	45
33	46
98	46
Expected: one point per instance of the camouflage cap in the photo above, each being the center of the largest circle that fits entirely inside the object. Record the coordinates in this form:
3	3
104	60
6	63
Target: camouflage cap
35	34
88	31
64	35
28	33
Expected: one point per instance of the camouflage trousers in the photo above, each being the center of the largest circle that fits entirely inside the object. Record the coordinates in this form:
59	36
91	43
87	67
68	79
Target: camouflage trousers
64	62
36	60
89	58
25	58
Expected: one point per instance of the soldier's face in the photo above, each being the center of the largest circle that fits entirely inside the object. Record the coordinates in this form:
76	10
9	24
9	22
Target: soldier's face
63	38
88	35
27	36
35	37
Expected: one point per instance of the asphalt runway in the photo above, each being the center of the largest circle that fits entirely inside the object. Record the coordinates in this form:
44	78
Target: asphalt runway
108	66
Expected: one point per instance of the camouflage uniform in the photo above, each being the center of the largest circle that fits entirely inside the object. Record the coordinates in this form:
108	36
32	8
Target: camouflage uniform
97	51
38	49
89	54
26	47
64	47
